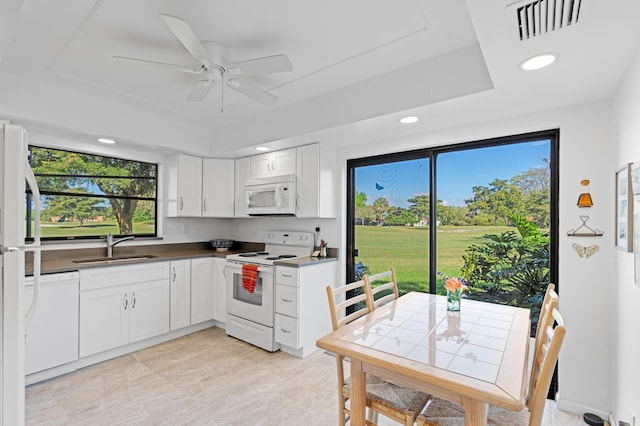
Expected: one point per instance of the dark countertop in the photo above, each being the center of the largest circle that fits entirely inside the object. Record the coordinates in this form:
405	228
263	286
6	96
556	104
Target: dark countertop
56	261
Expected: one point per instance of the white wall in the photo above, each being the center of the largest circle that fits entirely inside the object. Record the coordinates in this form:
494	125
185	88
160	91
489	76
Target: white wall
625	351
585	284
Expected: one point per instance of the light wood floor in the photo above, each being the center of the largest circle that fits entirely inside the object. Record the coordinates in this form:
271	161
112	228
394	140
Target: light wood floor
206	378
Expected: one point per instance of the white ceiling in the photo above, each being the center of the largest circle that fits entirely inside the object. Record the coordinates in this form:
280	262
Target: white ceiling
358	65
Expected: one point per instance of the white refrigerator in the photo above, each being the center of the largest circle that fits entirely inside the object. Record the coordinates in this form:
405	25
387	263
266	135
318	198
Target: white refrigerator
14	171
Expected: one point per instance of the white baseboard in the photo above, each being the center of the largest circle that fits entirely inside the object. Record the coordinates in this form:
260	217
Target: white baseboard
577	408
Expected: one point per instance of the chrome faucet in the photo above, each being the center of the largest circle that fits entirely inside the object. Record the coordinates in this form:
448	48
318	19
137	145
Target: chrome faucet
111	243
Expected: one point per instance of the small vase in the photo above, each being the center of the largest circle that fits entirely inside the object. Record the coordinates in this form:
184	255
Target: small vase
453	300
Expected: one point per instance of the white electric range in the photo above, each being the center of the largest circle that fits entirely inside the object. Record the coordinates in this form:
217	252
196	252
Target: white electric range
250	315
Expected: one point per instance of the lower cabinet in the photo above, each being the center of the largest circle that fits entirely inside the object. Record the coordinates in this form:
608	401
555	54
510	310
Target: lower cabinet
202	289
220	290
302	311
180	294
115	315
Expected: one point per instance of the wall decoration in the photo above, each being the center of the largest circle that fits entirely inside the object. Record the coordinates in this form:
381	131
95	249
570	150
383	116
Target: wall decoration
585	251
636	248
635	187
584	199
584	230
624	209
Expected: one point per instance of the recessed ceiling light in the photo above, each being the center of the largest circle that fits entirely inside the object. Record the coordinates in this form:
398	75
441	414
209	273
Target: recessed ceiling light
409	120
262	148
105	140
537	62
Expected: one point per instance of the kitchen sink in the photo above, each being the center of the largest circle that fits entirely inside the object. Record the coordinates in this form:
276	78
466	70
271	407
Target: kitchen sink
114	259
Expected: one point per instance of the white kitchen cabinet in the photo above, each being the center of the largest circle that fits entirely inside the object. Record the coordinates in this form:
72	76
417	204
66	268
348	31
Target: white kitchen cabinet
218	187
122	304
200	187
184	185
180	294
302	310
274	163
220	289
202	289
315	181
242	172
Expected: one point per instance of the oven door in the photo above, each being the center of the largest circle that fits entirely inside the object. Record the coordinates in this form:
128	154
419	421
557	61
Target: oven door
256	306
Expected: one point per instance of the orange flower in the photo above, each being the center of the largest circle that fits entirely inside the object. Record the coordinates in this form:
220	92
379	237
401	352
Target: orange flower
452	284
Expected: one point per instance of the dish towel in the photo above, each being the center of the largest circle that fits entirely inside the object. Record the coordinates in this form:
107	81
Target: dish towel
249	277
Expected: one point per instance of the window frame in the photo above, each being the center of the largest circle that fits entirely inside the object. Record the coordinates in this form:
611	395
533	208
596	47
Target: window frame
29	195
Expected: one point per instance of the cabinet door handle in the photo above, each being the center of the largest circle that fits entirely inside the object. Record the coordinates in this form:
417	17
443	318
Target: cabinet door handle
204	204
126	301
181	203
287	276
286	300
297	202
133	300
284	330
174	275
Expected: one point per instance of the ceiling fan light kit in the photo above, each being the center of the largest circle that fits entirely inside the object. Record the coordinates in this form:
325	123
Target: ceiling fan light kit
215	64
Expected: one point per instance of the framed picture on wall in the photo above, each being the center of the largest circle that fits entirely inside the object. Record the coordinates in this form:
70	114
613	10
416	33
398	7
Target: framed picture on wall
624	209
636	248
635	190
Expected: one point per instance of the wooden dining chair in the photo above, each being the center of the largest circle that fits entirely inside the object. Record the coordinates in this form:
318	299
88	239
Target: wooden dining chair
440	412
394	401
375	300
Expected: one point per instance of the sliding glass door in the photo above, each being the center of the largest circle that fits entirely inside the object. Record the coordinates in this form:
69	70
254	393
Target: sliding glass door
489	223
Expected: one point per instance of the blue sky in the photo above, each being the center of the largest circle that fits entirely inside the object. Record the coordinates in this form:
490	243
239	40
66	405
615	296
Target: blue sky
458	172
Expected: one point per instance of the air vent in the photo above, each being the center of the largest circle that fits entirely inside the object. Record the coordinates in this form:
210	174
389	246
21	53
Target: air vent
541	17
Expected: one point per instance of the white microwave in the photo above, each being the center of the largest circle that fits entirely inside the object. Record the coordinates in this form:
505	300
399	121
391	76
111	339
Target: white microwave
274	195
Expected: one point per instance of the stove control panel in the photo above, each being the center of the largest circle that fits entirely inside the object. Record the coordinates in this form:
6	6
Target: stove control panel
293	238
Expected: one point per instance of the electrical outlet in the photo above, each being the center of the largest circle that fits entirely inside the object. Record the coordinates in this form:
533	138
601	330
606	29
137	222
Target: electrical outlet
187	228
317	229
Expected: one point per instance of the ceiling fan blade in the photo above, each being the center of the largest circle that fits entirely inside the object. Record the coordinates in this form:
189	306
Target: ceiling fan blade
187	37
163	64
200	91
252	91
266	65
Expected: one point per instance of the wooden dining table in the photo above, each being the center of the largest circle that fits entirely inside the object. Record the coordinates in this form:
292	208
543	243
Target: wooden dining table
475	357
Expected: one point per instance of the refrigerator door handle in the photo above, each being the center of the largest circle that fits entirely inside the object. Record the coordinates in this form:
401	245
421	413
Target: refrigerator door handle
35	247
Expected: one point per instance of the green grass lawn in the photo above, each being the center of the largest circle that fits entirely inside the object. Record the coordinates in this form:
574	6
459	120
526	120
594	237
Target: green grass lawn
65	229
407	250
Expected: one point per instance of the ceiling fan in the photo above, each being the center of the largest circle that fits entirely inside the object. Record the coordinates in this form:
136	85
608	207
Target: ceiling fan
215	66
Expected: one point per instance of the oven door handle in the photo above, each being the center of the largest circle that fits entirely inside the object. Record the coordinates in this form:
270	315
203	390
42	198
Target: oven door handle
264	269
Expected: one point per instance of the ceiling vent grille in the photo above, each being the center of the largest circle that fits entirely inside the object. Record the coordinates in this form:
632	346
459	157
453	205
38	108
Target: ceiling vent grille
541	17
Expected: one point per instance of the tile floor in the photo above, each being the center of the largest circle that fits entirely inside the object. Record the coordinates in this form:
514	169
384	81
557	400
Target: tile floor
206	378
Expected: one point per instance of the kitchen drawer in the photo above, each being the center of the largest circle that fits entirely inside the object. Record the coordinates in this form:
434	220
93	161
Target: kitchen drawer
287	276
109	276
287	331
287	300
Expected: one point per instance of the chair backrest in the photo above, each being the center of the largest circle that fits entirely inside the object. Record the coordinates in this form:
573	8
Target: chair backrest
391	285
544	365
548	296
360	309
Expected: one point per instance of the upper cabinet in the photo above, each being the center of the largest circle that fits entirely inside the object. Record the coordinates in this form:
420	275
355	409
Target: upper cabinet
218	195
274	163
243	168
200	187
185	185
315	181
